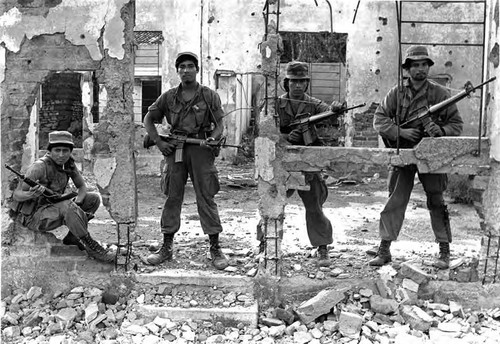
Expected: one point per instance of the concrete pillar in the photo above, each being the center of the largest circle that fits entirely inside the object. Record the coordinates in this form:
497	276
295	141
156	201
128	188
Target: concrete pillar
269	172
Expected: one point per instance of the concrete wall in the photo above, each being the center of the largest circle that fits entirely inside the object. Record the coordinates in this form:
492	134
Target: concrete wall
36	40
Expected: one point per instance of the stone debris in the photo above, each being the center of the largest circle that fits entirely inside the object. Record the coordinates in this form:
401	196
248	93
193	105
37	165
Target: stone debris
360	315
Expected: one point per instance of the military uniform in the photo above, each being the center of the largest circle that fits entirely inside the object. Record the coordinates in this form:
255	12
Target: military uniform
194	119
319	228
401	179
41	215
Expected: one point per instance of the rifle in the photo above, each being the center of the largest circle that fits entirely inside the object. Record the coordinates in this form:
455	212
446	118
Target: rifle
51	196
303	122
421	118
180	140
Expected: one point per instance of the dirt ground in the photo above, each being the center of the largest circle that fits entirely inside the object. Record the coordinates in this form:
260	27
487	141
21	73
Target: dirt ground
353	207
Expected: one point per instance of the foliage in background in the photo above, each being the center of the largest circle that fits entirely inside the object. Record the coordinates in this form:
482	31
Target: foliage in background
460	188
313	46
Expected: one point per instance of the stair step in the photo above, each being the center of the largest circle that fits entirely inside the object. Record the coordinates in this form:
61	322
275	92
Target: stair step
197	278
219	297
229	316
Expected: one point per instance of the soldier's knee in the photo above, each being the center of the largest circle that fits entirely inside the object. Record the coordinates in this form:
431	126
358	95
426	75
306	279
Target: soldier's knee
435	201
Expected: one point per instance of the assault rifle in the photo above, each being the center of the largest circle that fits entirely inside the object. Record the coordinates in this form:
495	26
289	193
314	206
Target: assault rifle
303	122
51	196
180	140
421	118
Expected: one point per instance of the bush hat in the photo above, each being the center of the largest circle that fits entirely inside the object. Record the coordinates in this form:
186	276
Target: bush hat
184	56
60	138
297	70
416	53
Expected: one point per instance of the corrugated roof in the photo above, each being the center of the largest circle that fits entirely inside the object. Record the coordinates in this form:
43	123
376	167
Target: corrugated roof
148	37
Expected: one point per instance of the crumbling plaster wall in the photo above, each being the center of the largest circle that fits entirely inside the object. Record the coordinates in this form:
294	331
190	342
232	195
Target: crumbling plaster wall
41	37
225	35
491	196
228	34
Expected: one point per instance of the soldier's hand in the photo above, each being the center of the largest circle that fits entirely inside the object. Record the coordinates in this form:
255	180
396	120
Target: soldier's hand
206	142
434	130
410	134
336	106
166	147
37	190
295	136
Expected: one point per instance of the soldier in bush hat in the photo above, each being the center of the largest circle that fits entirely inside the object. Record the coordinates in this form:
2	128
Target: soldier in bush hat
39	213
293	103
418	92
416	53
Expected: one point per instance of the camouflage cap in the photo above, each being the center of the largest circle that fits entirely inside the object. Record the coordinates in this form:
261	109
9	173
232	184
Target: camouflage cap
63	138
297	70
416	53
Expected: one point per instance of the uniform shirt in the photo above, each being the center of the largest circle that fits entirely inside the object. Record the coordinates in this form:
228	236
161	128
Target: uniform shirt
192	117
51	175
429	94
309	105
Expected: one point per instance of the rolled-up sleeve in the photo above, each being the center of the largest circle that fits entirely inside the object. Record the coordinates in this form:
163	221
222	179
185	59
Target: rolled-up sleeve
159	109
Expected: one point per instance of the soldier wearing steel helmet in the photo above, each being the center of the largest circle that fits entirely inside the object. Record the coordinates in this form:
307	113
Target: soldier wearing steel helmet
195	111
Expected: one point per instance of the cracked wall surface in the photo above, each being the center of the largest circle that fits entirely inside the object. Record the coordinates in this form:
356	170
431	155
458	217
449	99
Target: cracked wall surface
39	38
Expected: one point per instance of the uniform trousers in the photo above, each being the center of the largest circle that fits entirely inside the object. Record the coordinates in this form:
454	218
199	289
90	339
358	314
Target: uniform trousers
400	184
198	164
319	228
49	216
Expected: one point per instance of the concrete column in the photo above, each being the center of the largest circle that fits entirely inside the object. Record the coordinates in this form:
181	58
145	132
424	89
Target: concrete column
269	172
114	137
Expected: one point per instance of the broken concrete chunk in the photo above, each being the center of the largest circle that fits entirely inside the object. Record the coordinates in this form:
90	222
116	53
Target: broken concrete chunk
320	304
410	285
415	318
414	273
381	305
350	324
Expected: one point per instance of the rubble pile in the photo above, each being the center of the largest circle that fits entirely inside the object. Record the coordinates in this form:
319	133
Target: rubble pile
385	311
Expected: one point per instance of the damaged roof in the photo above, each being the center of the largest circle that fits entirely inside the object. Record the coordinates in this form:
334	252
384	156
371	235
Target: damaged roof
148	37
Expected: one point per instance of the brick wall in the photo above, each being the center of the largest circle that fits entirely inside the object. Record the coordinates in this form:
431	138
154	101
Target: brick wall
365	135
62	107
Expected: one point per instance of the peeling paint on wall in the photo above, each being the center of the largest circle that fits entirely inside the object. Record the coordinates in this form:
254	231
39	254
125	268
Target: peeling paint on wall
265	152
104	170
88	19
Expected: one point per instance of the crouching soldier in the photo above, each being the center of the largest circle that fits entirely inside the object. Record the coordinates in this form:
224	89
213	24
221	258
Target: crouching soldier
39	213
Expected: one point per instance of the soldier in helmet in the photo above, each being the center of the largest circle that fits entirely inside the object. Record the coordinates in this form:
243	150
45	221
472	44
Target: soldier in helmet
195	111
417	92
291	104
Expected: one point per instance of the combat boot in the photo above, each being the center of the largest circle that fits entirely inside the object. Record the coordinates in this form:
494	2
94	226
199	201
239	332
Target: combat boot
443	261
164	253
383	255
218	259
323	256
71	239
96	251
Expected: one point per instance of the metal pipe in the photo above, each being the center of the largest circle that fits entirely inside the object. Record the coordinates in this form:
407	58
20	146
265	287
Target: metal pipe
331	16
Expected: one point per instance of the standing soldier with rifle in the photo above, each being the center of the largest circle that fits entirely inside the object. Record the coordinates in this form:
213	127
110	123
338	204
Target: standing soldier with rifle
38	205
291	107
193	111
417	92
